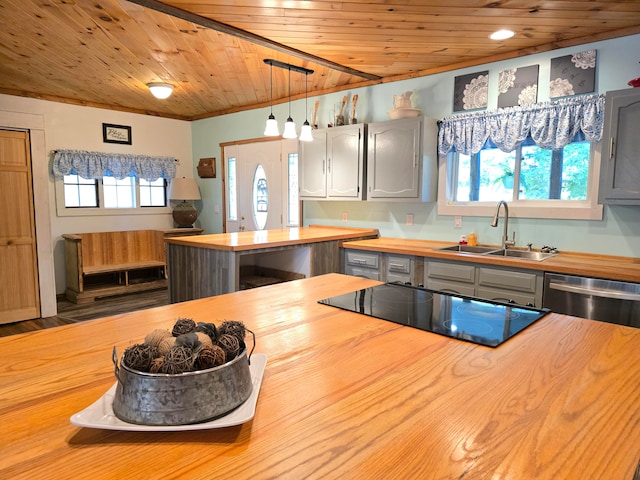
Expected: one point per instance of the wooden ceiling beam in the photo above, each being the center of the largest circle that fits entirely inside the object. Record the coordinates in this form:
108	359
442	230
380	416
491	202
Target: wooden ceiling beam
248	36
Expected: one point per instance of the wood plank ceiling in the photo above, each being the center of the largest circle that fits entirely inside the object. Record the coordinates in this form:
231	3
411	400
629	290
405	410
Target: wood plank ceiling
103	52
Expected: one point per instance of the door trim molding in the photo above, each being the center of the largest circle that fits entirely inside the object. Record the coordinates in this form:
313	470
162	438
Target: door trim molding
35	124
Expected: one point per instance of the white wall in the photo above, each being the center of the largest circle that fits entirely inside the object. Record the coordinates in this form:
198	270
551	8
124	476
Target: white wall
80	128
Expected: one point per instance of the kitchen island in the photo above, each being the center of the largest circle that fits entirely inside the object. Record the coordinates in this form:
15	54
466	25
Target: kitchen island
221	263
344	396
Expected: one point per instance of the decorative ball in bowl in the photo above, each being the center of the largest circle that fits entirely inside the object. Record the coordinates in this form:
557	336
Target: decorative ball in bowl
191	374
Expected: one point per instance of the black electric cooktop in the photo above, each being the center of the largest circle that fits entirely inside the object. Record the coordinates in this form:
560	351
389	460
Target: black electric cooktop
484	322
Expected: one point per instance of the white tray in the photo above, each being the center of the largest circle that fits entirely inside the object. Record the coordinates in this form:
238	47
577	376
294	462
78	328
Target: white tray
100	413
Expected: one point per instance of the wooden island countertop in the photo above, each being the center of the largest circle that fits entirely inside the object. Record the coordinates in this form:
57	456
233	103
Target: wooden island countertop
241	241
344	396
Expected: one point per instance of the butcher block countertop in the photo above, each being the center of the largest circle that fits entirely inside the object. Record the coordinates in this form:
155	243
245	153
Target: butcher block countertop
239	241
589	265
344	396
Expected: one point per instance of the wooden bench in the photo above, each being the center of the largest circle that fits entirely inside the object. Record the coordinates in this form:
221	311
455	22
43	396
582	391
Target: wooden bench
103	264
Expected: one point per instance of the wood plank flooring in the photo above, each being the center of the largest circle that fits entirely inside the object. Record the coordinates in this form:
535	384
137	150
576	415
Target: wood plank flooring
69	312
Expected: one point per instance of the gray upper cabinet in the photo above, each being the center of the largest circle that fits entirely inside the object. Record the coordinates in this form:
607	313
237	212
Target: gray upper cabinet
332	165
399	166
620	161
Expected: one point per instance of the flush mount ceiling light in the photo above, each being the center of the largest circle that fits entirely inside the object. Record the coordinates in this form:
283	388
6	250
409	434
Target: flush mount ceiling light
502	34
160	90
289	126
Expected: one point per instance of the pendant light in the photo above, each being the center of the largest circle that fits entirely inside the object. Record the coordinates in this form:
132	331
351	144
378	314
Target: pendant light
289	125
271	129
305	131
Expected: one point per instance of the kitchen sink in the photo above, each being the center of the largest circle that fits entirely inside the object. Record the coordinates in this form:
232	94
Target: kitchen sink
523	254
468	249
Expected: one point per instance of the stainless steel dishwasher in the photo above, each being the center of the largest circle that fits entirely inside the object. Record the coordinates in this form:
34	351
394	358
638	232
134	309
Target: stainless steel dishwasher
593	298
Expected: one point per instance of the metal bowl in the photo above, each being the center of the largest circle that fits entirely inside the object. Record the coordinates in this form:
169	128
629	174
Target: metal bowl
180	399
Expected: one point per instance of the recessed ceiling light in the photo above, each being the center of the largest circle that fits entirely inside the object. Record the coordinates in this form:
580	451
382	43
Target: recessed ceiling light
501	35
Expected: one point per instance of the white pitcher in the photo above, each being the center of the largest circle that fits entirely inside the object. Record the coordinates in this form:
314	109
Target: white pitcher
403	100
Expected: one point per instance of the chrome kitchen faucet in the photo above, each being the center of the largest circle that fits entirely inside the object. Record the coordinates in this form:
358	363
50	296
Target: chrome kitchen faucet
505	234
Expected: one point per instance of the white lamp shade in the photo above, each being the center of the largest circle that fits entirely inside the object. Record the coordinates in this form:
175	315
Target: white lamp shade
305	132
271	129
289	129
184	189
160	90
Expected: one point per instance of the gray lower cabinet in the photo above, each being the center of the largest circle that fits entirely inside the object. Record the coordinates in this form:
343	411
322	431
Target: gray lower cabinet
620	159
385	267
503	284
362	264
399	268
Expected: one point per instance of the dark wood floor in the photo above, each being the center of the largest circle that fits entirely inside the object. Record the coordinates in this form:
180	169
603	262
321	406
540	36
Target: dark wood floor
71	313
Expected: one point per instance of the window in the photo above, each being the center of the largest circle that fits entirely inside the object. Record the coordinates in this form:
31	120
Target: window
233	189
551	169
81	196
153	194
118	193
80	192
527	173
293	212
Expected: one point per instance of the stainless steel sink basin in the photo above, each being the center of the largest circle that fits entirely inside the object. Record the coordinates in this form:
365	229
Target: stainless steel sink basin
468	249
523	254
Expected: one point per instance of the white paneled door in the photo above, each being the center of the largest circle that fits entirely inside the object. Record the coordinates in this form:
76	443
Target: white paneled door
19	291
256	186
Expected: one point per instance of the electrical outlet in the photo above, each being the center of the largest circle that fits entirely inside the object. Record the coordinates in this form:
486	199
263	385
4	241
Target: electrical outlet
409	218
344	216
457	221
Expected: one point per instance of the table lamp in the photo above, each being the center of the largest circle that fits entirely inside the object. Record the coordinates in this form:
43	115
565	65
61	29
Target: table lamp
184	190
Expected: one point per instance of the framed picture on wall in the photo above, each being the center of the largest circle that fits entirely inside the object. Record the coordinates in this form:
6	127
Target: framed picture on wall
518	86
471	92
573	74
116	134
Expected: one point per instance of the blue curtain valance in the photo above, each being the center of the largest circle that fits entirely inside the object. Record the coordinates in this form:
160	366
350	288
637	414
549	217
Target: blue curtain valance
96	165
549	125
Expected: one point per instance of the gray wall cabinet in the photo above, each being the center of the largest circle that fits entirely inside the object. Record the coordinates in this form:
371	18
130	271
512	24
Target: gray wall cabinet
331	167
620	161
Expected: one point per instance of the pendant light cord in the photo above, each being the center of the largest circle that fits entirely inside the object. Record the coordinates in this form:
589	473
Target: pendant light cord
289	92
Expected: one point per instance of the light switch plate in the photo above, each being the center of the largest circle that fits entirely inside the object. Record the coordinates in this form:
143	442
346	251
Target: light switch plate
409	218
457	221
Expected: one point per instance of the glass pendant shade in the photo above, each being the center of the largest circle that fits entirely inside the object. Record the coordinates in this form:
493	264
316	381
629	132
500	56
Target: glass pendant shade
271	129
305	132
289	129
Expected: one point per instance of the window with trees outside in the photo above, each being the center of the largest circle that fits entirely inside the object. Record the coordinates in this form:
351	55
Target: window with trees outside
544	159
526	173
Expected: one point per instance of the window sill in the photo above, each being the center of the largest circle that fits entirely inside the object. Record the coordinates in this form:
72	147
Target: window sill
548	209
98	212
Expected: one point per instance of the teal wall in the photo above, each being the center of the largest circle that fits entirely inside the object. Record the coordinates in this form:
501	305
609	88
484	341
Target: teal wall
618	233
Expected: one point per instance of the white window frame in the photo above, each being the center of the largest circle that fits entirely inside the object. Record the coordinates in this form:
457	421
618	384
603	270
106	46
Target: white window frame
588	209
63	211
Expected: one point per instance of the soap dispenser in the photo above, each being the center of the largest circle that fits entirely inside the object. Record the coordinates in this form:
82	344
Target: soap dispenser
472	239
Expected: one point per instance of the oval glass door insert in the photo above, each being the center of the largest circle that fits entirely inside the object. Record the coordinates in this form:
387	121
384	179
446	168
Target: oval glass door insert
260	197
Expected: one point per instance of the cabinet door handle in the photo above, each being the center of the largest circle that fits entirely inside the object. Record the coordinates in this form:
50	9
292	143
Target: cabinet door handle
617	294
324	167
329	165
611	145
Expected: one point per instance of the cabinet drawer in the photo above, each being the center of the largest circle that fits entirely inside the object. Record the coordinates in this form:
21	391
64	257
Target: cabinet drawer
362	272
371	260
399	278
451	271
509	280
397	264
